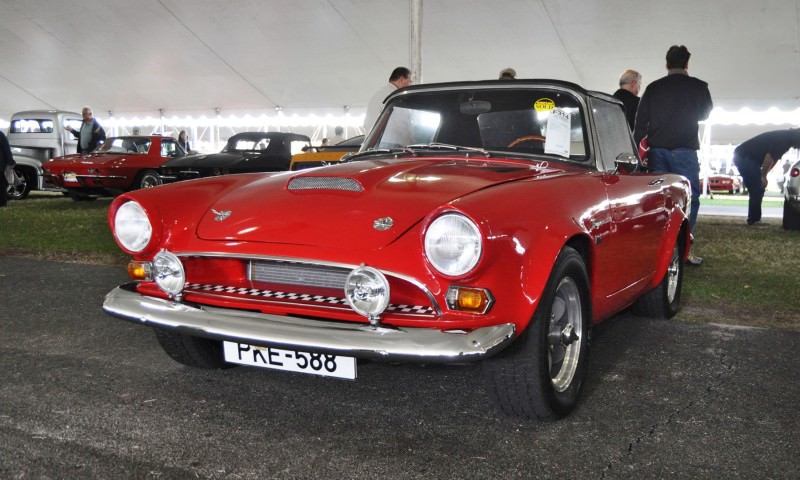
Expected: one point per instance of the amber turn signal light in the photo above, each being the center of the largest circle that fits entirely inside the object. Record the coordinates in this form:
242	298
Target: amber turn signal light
466	299
139	270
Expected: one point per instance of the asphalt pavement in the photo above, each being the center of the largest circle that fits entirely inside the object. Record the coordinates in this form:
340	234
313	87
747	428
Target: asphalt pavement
84	395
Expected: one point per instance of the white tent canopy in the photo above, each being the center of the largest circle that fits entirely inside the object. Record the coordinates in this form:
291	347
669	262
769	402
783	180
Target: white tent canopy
155	58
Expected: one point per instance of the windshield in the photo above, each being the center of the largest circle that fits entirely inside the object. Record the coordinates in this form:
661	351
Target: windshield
527	121
125	145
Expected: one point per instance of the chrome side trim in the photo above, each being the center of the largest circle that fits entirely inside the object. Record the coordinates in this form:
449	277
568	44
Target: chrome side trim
358	340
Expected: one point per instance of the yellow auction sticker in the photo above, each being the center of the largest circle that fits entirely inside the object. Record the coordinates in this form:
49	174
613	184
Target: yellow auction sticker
544	105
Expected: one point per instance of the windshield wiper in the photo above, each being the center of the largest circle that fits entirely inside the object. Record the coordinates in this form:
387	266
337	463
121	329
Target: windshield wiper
447	146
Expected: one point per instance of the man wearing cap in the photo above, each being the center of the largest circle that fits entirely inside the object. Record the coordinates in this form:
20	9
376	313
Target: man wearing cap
668	116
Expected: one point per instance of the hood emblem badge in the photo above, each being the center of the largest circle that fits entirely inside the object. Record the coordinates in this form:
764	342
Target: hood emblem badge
383	224
221	215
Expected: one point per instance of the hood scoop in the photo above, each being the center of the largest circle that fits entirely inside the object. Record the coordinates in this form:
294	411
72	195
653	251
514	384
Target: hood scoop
325	183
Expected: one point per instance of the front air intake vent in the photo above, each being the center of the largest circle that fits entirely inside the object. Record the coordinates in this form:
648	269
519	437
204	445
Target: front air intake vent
325	183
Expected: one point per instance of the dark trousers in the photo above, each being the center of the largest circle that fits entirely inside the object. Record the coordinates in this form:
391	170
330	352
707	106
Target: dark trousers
750	170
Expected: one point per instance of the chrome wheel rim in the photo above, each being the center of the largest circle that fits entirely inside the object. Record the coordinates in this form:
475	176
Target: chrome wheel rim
673	273
565	334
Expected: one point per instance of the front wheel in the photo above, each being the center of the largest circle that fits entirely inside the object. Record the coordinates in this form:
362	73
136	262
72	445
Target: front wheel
664	301
192	351
22	185
539	377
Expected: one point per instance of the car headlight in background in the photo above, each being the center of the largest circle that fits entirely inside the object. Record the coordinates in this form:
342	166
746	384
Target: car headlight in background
367	291
132	227
453	244
167	271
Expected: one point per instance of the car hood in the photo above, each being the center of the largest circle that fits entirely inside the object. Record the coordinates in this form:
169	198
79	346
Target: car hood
338	206
206	160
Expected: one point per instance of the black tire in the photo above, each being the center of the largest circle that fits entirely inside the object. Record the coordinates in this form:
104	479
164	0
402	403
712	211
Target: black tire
192	351
24	180
791	216
539	377
664	301
147	179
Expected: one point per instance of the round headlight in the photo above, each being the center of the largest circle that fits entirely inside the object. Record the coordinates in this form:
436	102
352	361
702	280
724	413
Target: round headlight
168	273
453	244
132	227
367	291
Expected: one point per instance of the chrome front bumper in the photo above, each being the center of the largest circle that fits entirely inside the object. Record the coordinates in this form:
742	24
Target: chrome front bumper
356	340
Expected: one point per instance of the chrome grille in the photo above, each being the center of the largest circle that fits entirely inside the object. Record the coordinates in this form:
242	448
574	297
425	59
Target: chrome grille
325	183
289	273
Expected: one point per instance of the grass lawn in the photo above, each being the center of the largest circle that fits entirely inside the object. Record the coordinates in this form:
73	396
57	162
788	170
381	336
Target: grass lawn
750	275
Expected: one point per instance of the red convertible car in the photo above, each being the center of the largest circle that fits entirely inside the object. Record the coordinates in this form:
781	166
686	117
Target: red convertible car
119	165
487	221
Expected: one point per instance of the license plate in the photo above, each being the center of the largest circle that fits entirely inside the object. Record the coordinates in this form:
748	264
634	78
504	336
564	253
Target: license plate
291	360
70	177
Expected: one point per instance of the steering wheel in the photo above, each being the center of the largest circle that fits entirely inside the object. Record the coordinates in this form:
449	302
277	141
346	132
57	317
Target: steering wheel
526	138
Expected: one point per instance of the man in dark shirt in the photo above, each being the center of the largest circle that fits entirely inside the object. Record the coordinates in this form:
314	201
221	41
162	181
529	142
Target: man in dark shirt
755	158
668	114
629	83
6	160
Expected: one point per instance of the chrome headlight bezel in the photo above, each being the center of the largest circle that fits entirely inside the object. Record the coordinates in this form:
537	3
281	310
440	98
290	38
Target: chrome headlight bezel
453	244
132	228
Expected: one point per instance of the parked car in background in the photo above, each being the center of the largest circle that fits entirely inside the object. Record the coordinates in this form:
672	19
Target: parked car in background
318	156
478	221
119	165
721	182
243	153
791	200
36	136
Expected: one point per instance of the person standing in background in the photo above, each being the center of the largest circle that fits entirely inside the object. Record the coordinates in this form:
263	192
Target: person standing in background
400	77
183	141
6	160
90	135
629	84
668	115
755	158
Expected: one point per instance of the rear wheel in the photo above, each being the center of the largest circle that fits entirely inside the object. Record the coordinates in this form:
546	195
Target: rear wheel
664	301
147	179
539	377
24	180
192	351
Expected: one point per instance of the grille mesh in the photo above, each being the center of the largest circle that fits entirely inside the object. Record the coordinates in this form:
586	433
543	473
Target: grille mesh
325	183
298	274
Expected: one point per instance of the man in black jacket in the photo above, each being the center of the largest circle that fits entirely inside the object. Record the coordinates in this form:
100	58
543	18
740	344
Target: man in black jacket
629	84
6	160
91	134
668	114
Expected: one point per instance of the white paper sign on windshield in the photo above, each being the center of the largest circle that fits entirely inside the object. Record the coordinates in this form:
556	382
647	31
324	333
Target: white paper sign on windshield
558	126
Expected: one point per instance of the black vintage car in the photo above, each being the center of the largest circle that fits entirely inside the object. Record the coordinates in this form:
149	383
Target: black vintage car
245	152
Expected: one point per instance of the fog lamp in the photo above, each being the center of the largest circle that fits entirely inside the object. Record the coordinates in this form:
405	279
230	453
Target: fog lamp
168	273
140	270
367	291
465	299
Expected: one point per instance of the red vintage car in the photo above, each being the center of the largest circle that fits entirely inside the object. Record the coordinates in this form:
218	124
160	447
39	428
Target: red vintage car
479	221
119	165
720	182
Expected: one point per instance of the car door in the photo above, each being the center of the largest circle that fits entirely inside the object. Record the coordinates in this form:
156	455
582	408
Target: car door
637	205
